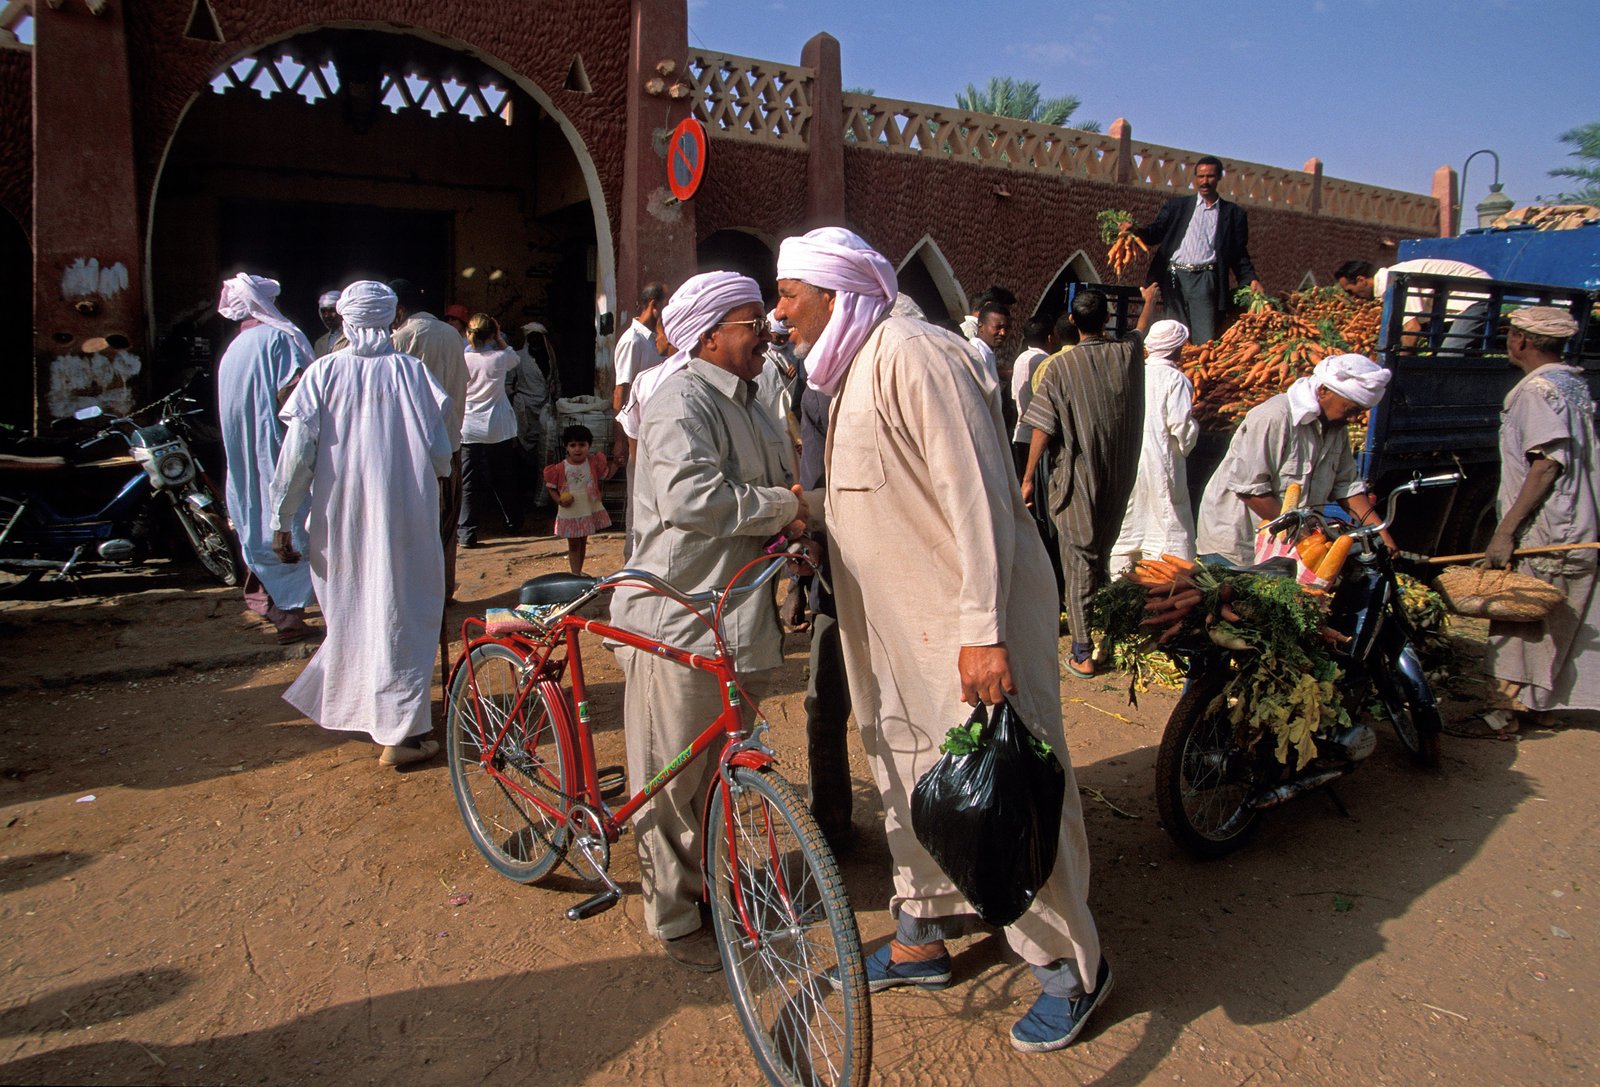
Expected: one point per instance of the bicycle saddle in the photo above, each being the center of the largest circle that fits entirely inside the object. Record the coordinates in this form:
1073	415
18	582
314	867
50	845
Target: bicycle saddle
549	589
1280	566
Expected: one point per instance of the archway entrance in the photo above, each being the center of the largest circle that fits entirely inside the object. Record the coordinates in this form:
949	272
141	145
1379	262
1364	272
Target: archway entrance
742	252
344	154
1078	269
927	279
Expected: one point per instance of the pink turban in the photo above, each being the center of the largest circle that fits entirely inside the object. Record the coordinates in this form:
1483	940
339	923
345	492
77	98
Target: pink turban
838	260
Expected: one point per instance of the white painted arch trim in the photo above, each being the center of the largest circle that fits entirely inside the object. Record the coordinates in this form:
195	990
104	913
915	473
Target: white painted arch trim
944	277
606	266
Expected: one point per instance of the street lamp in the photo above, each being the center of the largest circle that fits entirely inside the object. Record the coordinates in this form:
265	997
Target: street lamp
1494	205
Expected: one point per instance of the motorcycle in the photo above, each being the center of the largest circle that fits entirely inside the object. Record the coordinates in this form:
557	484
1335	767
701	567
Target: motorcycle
1211	789
39	539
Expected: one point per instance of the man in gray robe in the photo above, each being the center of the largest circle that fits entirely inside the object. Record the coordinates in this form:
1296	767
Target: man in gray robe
1549	494
1088	408
1298	436
713	485
944	597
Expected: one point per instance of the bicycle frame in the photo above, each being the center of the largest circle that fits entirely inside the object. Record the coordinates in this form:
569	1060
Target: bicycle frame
581	789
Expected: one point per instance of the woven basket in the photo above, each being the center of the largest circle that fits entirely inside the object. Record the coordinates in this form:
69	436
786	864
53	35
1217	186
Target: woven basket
1482	593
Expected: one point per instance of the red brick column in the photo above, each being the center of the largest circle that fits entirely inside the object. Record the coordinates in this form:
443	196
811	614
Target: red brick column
655	235
85	205
825	204
1444	191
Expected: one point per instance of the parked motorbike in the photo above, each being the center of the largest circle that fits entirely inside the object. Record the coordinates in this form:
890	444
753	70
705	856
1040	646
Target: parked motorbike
41	537
1210	789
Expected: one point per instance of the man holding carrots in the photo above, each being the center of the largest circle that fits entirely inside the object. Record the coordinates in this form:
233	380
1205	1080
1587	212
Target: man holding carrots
1199	240
1297	437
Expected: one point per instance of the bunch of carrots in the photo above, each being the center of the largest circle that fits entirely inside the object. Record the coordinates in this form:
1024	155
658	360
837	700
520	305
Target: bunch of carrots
1270	346
1123	248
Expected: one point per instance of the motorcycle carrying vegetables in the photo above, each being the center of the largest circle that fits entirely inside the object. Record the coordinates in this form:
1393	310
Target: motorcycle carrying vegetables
989	812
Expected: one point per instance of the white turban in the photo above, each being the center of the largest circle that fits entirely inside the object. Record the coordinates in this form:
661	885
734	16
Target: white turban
703	300
328	300
245	296
368	309
838	260
1354	377
1165	339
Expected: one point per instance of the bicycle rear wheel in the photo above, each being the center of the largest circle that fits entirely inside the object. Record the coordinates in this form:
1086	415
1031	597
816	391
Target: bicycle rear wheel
796	927
499	754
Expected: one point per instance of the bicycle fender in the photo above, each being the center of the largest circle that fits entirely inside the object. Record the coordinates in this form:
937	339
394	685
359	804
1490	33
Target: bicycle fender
748	759
1405	666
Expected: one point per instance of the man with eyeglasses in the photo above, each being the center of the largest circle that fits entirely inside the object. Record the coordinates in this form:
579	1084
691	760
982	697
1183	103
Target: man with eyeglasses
1199	240
714	484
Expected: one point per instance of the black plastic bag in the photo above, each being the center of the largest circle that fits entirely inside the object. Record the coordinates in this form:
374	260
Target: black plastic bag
992	818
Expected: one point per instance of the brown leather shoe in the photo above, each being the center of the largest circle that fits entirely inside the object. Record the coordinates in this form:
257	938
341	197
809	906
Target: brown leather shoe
400	755
697	951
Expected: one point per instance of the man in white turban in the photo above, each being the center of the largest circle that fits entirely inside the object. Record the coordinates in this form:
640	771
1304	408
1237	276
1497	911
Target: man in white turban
929	538
332	339
262	362
713	485
368	441
1298	436
1159	520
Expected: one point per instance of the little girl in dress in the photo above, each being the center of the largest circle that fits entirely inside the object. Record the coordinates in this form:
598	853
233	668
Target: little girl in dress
574	483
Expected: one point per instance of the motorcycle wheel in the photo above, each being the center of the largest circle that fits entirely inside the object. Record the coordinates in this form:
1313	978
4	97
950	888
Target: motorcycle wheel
1418	727
212	543
1203	779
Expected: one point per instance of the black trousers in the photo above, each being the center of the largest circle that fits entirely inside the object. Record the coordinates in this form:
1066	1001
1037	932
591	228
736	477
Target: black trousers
488	488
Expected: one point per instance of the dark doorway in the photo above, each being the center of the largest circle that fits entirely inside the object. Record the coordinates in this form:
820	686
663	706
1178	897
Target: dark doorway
916	283
311	248
1054	302
16	325
736	251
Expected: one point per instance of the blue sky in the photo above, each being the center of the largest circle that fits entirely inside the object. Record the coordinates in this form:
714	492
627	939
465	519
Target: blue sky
1383	91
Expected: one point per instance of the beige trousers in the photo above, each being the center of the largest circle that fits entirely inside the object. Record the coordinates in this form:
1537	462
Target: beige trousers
665	706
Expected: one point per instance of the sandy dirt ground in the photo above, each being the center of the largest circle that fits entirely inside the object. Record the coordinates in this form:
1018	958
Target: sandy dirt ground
199	886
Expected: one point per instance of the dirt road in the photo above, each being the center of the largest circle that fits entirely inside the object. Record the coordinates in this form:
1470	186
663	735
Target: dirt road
198	886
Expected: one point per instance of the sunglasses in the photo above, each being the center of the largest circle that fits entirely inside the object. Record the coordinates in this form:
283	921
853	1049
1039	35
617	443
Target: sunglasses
759	325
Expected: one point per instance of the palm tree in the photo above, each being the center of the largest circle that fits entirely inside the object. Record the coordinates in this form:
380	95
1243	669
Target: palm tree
1007	97
1585	140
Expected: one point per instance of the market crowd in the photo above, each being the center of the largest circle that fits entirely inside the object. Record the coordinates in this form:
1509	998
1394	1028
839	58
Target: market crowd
968	498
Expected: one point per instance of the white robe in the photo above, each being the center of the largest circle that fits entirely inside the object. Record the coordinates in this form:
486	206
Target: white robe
368	434
1158	520
259	362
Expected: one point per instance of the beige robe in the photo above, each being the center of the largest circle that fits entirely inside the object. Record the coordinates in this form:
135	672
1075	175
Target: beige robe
932	550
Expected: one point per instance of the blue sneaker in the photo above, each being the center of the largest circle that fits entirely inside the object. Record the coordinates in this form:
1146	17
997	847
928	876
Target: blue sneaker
1054	1022
884	974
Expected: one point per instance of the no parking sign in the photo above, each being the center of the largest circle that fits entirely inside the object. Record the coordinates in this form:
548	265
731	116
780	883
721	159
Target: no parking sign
686	158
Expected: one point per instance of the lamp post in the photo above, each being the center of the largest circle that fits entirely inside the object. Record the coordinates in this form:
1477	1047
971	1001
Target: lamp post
1491	207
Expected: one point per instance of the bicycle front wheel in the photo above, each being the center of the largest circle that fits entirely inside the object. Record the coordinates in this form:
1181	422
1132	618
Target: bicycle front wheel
503	754
785	932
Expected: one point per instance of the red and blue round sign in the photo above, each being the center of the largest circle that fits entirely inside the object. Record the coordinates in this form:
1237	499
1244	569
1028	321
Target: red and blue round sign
686	158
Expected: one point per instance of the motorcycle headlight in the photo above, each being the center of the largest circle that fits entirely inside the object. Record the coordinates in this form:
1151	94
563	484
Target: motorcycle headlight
173	467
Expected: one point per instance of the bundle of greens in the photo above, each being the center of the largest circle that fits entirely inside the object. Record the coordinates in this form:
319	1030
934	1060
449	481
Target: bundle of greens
1284	684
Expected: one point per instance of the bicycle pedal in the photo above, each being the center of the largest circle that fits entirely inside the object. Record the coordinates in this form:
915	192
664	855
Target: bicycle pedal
600	903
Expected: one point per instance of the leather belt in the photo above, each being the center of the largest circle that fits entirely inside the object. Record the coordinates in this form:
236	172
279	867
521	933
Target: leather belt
1206	267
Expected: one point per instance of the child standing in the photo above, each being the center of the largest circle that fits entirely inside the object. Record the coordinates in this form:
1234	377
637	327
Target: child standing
574	483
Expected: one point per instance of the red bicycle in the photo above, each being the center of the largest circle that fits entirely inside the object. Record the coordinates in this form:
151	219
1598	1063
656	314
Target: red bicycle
523	770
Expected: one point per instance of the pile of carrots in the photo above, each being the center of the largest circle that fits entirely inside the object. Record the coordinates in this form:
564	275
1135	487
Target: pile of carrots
1171	592
1122	249
1269	347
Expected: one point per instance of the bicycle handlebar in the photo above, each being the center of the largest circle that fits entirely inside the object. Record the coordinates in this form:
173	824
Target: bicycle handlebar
1417	484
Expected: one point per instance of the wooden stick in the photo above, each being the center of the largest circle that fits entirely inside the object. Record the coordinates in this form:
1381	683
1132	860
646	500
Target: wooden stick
1551	549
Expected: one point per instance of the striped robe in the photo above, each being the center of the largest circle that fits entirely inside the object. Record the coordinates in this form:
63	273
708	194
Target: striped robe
1091	402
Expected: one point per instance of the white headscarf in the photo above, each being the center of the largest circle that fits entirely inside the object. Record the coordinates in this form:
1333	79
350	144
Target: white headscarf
696	307
245	296
1165	339
368	311
328	300
838	260
1355	377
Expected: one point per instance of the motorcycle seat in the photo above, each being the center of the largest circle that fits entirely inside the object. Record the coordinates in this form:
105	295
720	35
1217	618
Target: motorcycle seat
547	589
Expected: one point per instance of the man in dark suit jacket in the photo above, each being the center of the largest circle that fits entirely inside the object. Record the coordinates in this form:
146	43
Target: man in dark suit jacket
1192	265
